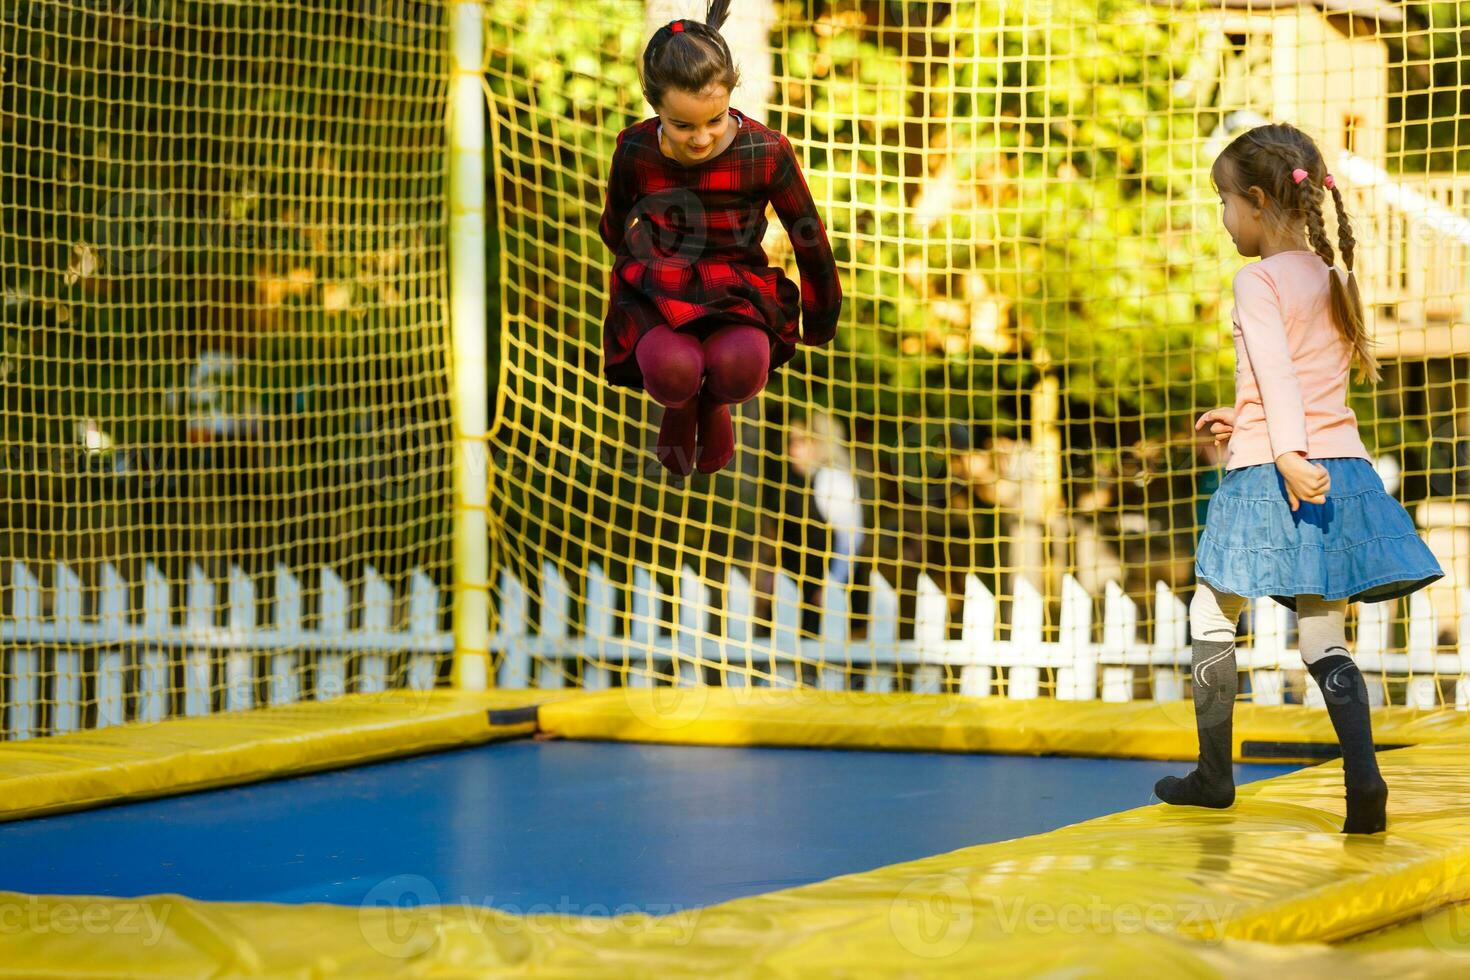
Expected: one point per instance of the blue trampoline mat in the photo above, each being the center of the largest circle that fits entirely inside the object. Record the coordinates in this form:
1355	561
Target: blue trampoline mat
575	827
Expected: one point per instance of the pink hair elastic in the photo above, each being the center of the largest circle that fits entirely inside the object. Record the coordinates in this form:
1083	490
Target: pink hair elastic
677	27
1328	182
1298	175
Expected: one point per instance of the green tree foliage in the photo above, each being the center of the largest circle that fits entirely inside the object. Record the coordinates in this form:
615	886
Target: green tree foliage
1083	203
1084	211
221	242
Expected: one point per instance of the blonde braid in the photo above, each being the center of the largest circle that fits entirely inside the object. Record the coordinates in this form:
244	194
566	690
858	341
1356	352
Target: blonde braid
1311	198
1346	243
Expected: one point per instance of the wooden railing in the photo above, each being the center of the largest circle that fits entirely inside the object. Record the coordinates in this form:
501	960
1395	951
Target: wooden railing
1415	278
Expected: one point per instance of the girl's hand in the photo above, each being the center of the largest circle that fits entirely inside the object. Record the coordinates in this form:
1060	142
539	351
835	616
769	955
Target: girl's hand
1306	482
1224	424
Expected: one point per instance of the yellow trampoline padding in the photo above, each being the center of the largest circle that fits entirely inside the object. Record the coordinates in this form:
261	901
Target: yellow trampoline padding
952	723
1446	930
69	772
1173	891
179	937
89	768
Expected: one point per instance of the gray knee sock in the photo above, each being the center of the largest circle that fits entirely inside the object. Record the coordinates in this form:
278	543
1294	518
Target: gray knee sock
1322	643
1215	682
1212	783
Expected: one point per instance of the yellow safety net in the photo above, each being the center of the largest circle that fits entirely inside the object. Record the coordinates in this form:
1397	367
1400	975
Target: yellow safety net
990	481
224	356
226	385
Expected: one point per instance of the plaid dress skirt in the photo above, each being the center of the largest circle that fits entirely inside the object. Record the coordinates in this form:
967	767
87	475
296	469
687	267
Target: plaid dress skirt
687	252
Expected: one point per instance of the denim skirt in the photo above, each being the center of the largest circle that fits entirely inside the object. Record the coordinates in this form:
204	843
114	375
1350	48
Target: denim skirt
1360	545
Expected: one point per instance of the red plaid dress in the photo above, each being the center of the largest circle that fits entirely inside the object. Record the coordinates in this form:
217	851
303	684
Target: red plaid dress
687	246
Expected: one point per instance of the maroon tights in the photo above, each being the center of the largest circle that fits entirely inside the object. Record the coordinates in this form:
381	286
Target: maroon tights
697	383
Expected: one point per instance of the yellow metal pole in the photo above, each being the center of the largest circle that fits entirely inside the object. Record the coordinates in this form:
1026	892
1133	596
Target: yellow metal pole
468	310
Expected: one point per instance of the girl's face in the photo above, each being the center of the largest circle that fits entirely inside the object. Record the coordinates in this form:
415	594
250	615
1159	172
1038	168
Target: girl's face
1244	216
1242	219
695	124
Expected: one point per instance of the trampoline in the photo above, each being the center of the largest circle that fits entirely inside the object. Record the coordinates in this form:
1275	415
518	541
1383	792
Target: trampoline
711	833
585	827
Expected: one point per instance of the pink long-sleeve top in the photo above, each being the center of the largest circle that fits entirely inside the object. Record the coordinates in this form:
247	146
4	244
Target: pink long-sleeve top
1291	365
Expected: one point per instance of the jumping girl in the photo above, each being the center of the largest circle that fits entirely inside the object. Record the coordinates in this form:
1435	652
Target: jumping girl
697	317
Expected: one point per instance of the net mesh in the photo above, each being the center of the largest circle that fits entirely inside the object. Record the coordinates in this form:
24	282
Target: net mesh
225	377
990	481
224	356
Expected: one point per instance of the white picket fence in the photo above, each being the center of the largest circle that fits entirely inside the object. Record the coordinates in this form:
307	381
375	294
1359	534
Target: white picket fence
69	658
114	655
1085	669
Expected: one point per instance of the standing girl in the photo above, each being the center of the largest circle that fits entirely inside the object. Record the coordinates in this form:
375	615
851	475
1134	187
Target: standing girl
696	315
1300	515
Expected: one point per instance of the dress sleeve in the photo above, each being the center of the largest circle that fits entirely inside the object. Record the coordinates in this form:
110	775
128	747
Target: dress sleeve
620	198
1263	328
821	292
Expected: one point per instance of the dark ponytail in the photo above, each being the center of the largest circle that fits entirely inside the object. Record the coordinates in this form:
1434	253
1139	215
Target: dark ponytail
716	14
689	58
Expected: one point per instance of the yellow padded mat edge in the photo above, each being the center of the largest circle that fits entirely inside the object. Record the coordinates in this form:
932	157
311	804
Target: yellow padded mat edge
75	771
946	723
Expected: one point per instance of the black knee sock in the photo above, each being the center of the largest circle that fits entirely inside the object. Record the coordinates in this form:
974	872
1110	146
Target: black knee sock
1346	694
1212	783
